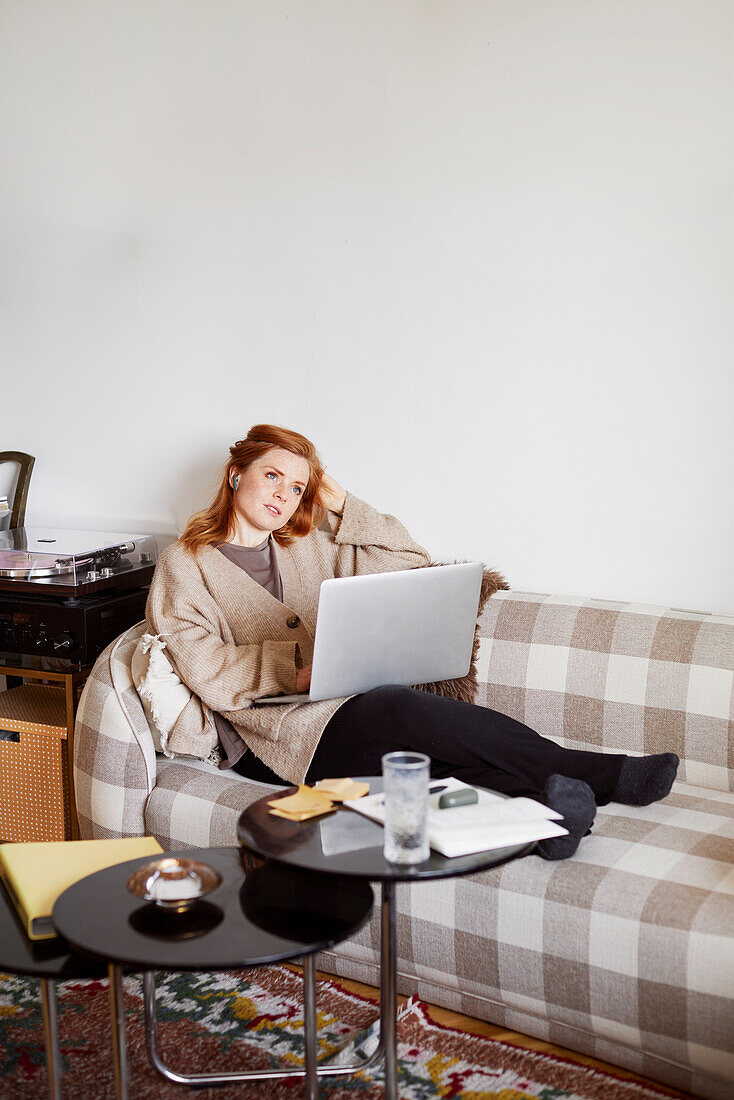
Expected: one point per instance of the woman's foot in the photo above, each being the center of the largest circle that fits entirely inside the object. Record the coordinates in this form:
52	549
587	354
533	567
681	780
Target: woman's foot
575	800
646	779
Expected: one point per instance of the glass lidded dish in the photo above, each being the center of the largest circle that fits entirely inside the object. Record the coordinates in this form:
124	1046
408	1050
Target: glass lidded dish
174	884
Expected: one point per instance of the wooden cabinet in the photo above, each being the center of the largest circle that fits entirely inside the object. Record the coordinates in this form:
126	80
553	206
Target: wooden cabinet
37	714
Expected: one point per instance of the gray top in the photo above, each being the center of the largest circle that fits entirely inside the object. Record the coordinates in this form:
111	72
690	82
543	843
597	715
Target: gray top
261	563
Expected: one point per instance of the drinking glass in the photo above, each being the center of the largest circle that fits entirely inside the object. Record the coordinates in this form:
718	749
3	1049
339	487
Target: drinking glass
405	780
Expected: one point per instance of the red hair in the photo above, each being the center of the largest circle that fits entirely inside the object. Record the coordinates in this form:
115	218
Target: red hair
215	523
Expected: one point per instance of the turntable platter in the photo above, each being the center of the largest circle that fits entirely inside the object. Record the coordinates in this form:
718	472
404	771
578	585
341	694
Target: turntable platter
17	563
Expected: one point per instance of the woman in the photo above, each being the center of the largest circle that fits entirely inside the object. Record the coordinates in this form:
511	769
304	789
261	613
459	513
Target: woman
236	598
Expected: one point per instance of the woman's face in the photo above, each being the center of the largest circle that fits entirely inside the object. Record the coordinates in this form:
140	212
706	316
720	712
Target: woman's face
270	489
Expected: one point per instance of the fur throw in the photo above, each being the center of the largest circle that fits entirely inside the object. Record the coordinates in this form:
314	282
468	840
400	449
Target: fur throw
465	687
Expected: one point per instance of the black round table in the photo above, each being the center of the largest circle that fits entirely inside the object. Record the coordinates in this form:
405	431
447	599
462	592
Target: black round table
49	960
347	843
264	915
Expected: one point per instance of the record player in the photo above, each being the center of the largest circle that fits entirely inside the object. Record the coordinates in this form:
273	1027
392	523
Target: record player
66	594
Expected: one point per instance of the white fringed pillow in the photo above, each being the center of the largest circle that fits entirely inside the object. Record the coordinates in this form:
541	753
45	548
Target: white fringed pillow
161	692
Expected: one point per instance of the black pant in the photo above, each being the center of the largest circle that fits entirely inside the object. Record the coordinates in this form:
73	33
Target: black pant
471	742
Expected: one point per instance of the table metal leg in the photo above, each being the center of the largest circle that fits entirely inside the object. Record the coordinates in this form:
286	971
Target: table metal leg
154	1056
388	991
50	1027
311	1091
119	1047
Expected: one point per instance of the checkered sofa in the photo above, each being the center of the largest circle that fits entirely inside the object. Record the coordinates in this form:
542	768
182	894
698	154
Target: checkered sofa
626	951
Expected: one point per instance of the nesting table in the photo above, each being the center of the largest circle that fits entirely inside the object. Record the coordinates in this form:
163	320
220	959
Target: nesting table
347	843
49	960
253	918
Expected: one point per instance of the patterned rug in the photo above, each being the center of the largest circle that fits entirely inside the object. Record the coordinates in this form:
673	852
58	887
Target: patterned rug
253	1019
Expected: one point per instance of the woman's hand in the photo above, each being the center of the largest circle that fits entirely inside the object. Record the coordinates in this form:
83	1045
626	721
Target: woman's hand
303	678
331	493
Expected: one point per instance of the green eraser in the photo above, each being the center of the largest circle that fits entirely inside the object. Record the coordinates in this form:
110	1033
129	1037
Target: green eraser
463	797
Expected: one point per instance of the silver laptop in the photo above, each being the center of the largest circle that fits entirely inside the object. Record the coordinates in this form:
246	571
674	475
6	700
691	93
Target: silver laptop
408	627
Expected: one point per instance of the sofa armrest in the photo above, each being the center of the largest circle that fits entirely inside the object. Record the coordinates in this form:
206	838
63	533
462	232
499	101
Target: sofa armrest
617	677
114	755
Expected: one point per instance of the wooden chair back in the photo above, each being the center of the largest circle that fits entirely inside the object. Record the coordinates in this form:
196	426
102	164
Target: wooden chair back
20	497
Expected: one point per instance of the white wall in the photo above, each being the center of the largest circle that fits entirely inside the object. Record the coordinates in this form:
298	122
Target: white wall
480	252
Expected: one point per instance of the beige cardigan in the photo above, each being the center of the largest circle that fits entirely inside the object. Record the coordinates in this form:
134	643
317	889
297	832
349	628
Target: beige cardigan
231	642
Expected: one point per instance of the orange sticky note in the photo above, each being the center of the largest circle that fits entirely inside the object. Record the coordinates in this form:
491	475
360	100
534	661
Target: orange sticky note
304	815
306	799
341	789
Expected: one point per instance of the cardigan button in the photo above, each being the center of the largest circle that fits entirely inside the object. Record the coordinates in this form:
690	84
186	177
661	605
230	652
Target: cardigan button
293	622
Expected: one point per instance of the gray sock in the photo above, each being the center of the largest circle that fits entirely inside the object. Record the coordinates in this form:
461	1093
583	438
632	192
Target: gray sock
645	779
575	800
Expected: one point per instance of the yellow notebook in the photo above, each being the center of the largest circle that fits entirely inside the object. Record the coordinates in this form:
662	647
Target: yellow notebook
36	874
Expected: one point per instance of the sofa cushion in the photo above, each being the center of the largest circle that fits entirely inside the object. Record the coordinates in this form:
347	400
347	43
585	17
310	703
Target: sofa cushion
622	677
196	805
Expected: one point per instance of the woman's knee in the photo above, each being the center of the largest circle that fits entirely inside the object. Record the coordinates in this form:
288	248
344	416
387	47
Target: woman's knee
390	701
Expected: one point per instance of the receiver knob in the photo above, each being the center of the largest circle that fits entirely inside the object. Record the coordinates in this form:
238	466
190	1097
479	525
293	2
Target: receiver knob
64	642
